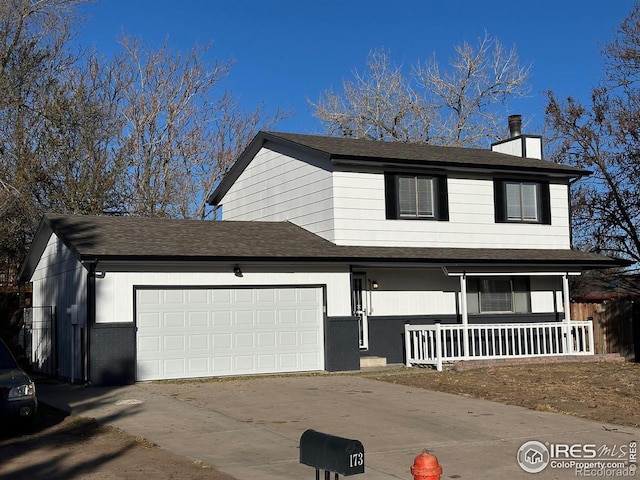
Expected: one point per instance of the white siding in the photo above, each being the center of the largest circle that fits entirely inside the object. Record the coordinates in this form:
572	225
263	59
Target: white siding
512	147
546	295
431	292
275	186
412	292
360	218
533	146
59	281
348	208
400	292
114	292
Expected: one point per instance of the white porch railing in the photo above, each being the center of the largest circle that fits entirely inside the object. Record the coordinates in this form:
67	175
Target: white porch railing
438	344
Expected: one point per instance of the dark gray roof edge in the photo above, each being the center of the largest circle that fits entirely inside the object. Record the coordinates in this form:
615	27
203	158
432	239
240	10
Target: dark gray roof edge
349	255
523	136
37	248
453	166
35	252
319	251
301	139
238	167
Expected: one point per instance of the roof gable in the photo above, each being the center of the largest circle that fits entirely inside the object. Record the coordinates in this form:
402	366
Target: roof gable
371	153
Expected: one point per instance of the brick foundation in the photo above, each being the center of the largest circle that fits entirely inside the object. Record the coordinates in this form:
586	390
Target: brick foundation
463	365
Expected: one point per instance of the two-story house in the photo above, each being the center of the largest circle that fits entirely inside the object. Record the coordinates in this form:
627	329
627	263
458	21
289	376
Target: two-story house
330	252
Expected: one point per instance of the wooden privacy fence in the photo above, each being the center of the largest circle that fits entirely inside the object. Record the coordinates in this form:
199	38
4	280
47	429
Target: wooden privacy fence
616	327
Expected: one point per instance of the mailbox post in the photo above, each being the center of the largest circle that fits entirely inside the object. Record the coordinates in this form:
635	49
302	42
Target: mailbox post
331	454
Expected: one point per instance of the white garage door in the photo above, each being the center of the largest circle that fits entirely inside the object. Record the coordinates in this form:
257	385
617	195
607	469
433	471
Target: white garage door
186	333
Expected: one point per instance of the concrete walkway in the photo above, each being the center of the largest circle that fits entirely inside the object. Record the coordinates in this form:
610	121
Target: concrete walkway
250	428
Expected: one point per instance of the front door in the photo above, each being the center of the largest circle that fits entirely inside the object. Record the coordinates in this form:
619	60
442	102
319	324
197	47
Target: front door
360	305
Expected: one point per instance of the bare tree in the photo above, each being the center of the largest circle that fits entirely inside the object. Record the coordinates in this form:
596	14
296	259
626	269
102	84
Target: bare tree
604	137
167	106
180	133
33	37
379	104
147	132
457	106
84	171
231	131
466	95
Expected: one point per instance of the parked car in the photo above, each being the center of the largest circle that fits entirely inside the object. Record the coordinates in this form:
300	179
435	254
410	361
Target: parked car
18	402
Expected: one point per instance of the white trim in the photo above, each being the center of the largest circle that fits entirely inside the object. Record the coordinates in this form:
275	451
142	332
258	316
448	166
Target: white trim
567	300
507	274
465	318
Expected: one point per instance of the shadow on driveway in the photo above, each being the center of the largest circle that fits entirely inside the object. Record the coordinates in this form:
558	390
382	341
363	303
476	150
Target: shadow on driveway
250	427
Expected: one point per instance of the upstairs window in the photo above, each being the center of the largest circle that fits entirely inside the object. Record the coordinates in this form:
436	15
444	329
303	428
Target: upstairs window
416	197
524	202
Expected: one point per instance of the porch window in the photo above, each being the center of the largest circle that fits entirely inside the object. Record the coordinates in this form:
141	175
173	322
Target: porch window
416	197
495	295
522	201
486	295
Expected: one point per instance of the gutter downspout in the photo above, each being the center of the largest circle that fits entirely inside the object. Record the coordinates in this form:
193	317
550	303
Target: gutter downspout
569	185
91	314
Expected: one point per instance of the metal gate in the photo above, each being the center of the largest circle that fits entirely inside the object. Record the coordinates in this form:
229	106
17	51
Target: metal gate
38	335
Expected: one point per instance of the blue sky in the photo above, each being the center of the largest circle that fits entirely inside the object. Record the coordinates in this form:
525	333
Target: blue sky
288	51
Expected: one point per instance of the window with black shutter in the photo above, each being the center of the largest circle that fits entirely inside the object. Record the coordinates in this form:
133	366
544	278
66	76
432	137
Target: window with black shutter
521	201
416	197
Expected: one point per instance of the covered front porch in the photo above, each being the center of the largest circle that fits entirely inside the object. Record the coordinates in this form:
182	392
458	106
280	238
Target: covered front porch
439	344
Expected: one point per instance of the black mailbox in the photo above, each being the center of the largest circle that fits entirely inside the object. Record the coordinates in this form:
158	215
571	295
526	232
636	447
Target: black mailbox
331	453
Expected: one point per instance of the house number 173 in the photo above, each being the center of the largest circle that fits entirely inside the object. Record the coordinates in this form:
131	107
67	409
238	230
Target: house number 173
356	459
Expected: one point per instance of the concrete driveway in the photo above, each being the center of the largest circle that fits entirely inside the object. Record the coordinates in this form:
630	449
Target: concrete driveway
250	428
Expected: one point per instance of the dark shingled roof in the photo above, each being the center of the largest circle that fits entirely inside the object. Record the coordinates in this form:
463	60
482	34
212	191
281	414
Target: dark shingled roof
135	238
341	150
352	148
161	237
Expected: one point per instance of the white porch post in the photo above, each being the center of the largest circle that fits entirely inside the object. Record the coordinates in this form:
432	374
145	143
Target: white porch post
567	313
438	347
407	346
465	316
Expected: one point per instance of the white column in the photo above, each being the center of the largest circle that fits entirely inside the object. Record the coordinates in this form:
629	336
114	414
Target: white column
438	347
567	314
465	315
407	346
565	294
